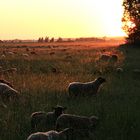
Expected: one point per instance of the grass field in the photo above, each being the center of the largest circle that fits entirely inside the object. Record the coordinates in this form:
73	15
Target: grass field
43	77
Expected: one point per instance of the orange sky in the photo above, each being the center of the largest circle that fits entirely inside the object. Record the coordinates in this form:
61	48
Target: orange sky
30	19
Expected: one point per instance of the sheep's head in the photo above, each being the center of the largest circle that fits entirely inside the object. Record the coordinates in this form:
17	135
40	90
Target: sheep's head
101	80
59	110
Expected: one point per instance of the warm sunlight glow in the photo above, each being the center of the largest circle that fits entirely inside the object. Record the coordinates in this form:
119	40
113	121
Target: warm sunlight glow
130	24
28	19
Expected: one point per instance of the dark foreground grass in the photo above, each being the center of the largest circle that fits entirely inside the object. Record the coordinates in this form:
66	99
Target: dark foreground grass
116	105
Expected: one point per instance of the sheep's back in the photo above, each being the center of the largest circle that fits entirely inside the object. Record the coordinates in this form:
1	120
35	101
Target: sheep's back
72	121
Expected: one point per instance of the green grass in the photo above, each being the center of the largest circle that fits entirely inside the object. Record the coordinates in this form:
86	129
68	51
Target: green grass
116	105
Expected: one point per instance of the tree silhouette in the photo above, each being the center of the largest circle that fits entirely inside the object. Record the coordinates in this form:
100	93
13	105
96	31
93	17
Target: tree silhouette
131	20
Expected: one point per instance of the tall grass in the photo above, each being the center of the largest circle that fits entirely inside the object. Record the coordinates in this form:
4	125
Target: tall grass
116	105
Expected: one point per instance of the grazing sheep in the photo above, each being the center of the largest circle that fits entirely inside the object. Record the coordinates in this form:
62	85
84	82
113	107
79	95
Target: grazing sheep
10	53
88	88
66	134
75	122
80	124
7	92
46	120
3	56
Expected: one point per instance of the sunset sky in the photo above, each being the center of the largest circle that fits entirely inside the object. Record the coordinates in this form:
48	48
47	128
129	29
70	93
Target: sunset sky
30	19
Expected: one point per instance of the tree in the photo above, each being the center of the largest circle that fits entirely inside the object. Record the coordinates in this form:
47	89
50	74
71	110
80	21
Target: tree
131	20
46	39
40	39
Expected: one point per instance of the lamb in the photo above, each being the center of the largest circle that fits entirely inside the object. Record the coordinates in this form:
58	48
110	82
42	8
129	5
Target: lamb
7	92
66	134
80	124
46	120
88	88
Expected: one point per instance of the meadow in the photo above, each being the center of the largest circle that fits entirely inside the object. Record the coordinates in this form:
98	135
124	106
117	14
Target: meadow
43	77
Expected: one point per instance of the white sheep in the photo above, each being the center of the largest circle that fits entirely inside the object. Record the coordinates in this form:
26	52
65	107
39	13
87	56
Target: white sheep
88	88
46	120
80	124
52	135
7	92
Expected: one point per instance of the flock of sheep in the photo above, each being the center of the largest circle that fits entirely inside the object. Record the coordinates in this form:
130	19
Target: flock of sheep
62	126
58	124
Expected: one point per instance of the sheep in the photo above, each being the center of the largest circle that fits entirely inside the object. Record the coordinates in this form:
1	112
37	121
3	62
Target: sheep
3	56
10	53
52	135
25	55
80	124
88	88
7	92
108	58
46	120
104	57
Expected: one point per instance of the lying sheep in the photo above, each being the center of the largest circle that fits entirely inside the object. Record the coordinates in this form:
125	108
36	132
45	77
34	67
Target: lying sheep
46	120
88	88
7	92
81	124
66	134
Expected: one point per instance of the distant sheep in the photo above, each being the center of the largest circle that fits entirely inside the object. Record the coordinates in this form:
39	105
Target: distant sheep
104	57
10	53
47	120
7	92
77	123
88	88
108	58
52	135
25	55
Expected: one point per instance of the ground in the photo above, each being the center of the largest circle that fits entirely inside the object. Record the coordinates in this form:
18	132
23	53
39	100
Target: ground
43	76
